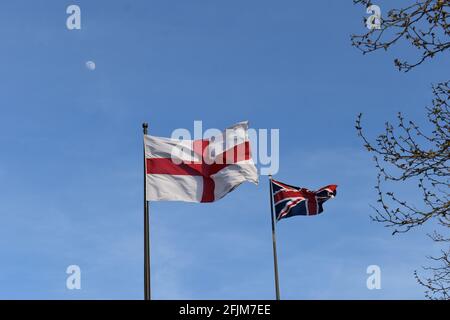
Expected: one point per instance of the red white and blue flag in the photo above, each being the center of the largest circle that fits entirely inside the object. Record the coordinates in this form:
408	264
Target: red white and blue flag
294	201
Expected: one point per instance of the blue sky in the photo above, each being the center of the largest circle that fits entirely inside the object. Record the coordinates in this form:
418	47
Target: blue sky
71	148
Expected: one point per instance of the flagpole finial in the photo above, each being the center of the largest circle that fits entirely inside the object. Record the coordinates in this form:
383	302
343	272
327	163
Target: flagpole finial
145	127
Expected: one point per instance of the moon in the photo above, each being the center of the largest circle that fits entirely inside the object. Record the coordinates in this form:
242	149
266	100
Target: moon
90	65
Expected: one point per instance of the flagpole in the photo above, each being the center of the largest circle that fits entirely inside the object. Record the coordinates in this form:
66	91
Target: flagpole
274	243
147	291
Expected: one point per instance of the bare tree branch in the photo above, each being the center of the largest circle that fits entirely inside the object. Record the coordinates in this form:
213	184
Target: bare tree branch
405	153
424	24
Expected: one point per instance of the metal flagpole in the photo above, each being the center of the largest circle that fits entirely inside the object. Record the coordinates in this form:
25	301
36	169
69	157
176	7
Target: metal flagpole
274	242
147	291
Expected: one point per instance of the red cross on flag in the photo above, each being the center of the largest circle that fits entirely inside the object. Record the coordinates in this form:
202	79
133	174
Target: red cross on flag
198	170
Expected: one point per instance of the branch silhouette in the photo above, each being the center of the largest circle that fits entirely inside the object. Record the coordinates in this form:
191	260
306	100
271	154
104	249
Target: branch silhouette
423	24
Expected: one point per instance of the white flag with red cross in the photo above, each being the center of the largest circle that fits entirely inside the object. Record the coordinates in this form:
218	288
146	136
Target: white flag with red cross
198	170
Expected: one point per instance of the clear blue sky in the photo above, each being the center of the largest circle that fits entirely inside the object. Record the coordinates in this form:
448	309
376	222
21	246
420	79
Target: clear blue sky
71	148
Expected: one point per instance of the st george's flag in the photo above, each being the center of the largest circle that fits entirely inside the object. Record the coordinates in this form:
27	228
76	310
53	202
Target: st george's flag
293	201
198	170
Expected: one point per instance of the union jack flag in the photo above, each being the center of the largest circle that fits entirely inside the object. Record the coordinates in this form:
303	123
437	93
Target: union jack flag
294	201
